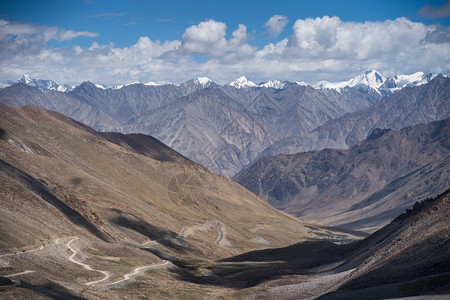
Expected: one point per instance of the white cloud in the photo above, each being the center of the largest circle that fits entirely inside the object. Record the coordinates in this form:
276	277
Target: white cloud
275	25
209	38
67	35
330	38
206	38
321	48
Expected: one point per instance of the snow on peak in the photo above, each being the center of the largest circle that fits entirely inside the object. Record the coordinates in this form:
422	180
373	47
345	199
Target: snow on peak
301	83
118	87
398	82
276	84
242	82
203	80
101	86
373	79
415	78
369	80
42	84
26	79
329	85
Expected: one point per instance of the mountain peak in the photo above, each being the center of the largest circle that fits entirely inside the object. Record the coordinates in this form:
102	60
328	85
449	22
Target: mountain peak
242	82
203	80
25	79
370	79
42	84
276	84
397	82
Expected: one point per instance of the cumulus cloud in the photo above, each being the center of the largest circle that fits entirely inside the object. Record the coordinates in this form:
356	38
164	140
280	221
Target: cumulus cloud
209	38
330	38
275	25
320	48
429	11
206	38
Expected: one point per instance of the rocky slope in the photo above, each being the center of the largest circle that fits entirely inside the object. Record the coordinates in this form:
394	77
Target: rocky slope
408	257
410	106
361	188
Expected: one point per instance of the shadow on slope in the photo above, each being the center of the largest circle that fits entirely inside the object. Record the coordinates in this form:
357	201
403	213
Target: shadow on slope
163	236
145	145
421	267
252	268
25	290
410	256
43	192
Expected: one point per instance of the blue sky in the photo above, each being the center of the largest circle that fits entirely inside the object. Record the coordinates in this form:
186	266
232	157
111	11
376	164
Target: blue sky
126	41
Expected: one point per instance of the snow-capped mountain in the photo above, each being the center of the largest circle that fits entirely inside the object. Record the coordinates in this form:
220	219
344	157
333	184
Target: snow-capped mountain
201	119
373	81
242	82
43	85
276	84
102	86
204	81
365	82
118	87
397	82
302	83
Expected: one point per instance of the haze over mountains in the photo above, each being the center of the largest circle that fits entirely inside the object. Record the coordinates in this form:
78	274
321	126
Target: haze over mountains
225	128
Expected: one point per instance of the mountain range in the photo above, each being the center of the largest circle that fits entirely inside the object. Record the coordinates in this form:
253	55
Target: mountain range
369	80
410	106
362	187
225	128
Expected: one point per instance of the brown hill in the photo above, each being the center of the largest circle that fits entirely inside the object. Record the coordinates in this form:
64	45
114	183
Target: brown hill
408	257
87	213
361	188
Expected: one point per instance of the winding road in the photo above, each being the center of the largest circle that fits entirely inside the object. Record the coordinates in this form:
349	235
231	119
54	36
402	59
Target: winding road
220	236
135	272
221	240
87	267
71	258
21	273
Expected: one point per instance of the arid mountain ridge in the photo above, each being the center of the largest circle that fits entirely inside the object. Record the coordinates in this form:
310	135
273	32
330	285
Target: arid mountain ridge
363	187
223	128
